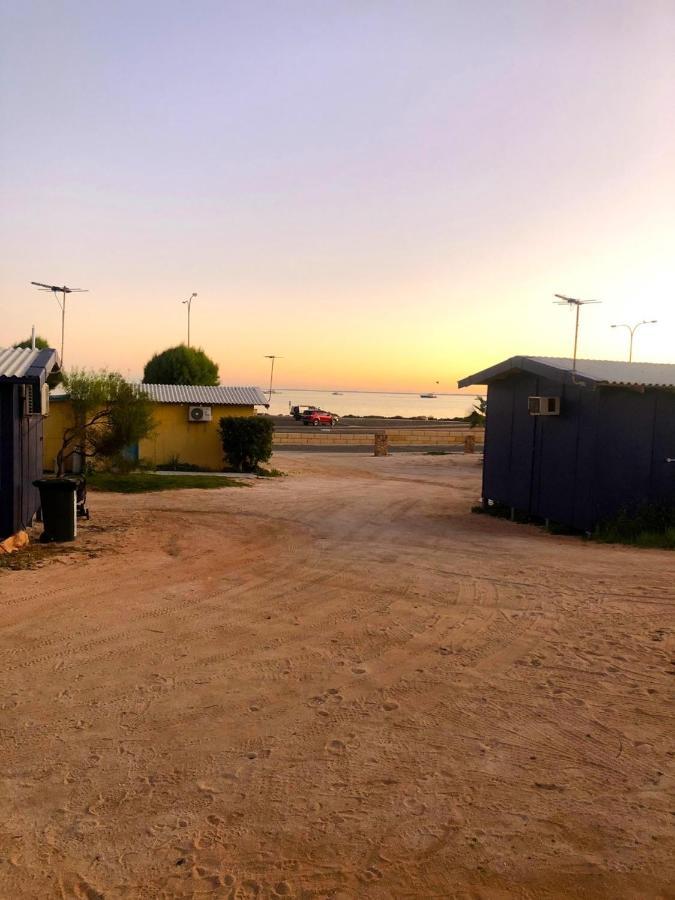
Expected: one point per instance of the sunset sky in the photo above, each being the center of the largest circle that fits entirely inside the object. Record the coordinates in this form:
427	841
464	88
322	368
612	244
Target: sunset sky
387	194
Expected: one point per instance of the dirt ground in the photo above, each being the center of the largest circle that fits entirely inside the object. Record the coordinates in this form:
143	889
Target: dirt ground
339	684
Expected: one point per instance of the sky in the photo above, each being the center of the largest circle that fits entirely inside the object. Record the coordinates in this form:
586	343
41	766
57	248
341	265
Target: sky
385	194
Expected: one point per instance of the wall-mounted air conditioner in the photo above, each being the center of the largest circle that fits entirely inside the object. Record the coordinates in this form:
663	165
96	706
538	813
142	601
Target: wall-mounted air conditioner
199	413
44	399
543	406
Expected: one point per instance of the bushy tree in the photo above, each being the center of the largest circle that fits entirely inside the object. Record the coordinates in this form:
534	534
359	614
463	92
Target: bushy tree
247	441
109	415
40	343
55	376
181	365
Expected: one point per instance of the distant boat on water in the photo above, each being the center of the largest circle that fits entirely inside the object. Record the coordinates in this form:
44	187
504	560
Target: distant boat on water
430	395
337	393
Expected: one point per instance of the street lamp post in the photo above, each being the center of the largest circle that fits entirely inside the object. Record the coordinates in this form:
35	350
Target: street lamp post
271	356
632	329
188	303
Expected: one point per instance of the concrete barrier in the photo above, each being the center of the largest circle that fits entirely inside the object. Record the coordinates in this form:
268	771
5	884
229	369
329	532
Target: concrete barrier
450	438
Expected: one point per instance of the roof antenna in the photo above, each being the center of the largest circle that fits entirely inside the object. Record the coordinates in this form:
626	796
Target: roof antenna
56	290
572	302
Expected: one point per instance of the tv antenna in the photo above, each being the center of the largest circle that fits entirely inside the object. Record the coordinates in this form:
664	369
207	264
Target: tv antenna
572	303
56	290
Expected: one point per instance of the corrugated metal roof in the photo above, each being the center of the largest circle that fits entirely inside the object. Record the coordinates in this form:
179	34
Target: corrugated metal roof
202	395
23	364
605	371
15	361
593	371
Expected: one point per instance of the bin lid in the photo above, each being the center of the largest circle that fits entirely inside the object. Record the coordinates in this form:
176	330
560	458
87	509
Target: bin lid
56	484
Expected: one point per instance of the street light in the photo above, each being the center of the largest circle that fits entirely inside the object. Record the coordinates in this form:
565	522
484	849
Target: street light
632	329
271	356
188	303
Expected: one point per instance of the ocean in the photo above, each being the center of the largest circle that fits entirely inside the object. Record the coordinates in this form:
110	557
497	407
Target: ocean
372	403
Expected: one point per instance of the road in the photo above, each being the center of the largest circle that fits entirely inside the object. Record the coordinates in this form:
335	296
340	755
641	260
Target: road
349	425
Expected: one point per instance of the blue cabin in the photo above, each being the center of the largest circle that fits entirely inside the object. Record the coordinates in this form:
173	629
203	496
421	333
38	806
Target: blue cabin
576	443
24	401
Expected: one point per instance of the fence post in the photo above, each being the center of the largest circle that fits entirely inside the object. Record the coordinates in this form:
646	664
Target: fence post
381	444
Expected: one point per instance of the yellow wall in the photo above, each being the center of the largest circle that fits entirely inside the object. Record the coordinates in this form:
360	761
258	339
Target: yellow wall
60	417
196	443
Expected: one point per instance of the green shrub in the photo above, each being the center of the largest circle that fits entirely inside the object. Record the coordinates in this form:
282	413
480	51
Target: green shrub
247	441
648	526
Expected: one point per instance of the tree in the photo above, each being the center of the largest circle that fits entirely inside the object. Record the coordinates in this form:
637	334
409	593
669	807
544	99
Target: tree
181	365
478	413
40	343
247	441
109	415
55	376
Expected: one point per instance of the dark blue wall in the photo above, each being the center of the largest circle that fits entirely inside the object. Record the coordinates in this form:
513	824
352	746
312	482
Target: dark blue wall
20	461
636	432
604	452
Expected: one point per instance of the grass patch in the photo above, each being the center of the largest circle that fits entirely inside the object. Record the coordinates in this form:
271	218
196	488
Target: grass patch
145	482
437	453
648	526
269	473
31	557
181	467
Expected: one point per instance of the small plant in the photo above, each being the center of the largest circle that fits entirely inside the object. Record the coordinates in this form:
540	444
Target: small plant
247	441
269	473
175	465
477	415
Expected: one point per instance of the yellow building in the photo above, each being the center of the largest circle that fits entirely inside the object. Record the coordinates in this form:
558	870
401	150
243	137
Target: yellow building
186	423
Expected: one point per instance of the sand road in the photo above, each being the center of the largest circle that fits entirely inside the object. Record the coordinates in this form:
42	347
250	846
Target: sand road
336	685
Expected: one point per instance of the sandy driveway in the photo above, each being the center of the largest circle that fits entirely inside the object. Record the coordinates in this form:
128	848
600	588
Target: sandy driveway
340	684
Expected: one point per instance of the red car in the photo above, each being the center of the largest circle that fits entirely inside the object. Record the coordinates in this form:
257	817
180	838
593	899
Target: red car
319	417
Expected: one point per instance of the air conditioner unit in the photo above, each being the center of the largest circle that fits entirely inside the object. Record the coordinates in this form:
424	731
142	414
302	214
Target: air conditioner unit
543	406
44	400
199	413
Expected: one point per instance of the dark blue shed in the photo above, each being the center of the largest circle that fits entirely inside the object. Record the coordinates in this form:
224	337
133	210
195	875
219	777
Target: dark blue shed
577	444
23	403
